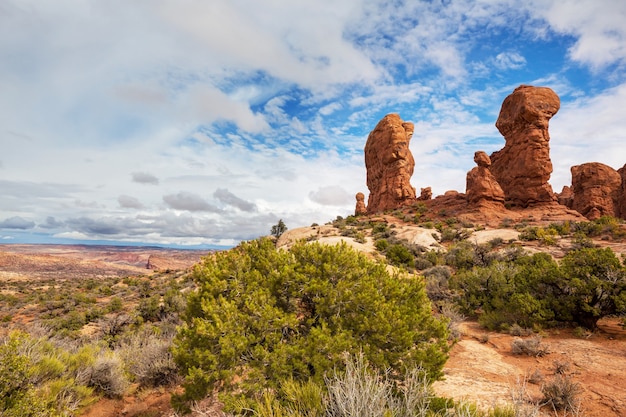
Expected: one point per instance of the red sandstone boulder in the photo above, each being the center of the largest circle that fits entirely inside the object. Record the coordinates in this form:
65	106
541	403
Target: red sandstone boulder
360	205
523	167
481	185
597	190
389	164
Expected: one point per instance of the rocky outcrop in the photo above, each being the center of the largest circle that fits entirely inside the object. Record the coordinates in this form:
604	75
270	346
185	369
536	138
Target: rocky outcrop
622	200
425	194
566	197
481	185
523	167
389	164
597	190
360	208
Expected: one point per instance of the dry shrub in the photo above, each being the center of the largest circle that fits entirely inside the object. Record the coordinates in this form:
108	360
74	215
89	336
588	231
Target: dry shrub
562	394
517	330
148	359
531	347
107	376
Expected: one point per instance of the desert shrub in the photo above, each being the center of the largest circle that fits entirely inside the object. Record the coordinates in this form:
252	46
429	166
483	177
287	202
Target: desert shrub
148	359
503	294
531	347
397	254
271	315
364	392
562	393
107	377
437	278
595	284
381	245
517	330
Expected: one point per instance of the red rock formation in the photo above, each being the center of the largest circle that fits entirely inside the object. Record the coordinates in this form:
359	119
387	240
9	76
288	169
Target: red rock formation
597	190
622	200
360	205
481	185
425	194
523	166
389	164
566	197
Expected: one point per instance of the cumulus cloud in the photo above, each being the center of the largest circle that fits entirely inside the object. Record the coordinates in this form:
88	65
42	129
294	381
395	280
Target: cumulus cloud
332	195
185	200
17	222
144	178
231	199
127	201
597	25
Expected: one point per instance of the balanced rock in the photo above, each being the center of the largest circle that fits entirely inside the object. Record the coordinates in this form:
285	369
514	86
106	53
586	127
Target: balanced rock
597	190
389	164
360	205
523	167
481	185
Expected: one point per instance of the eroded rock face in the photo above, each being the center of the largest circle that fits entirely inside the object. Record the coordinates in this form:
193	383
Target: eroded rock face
523	167
425	194
622	200
360	205
566	197
481	185
389	164
597	190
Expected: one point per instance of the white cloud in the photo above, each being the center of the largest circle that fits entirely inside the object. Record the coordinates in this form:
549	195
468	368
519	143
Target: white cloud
598	26
509	60
332	195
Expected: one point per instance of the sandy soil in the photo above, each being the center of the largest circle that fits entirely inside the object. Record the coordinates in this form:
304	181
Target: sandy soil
483	369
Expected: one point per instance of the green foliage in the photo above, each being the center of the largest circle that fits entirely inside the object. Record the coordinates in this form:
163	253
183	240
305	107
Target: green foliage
262	316
589	284
596	284
397	254
278	229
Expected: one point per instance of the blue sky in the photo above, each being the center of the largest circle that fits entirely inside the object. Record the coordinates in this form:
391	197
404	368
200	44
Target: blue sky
204	122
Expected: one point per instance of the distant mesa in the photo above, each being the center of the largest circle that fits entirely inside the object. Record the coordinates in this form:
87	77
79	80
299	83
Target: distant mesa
513	178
